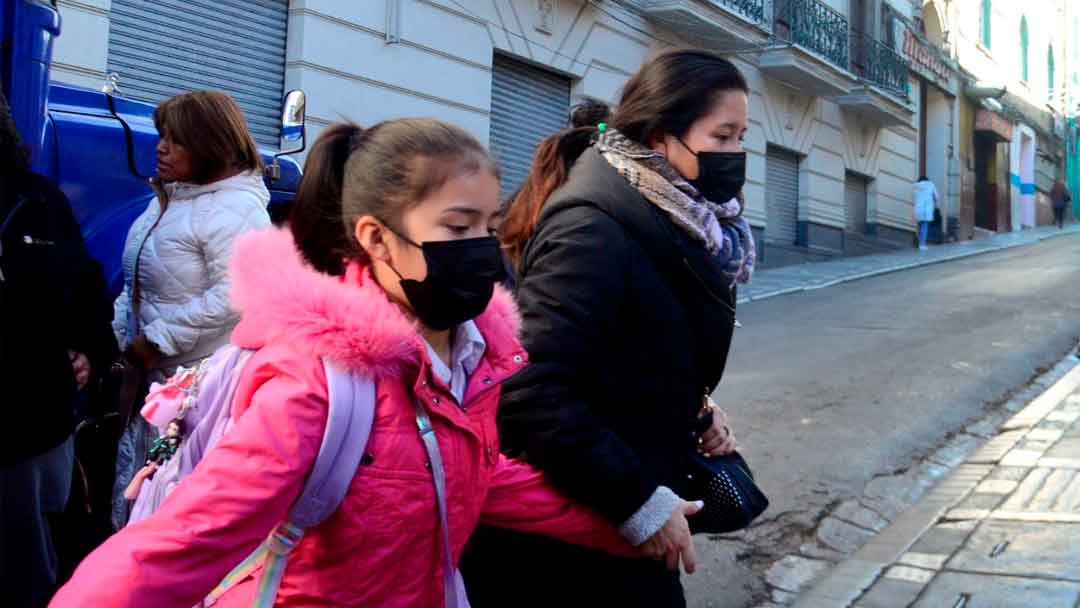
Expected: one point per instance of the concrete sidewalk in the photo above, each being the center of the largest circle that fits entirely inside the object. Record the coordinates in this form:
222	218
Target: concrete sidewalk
803	277
1002	530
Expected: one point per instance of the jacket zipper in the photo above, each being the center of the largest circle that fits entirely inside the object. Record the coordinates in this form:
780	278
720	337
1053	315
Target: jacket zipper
3	229
136	296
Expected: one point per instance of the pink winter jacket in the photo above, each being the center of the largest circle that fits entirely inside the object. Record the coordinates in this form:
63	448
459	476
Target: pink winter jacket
382	546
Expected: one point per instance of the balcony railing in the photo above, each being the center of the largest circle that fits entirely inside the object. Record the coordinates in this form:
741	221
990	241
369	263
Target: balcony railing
877	63
754	10
813	26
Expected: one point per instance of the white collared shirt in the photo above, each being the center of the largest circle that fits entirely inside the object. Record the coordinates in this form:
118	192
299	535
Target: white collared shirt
466	351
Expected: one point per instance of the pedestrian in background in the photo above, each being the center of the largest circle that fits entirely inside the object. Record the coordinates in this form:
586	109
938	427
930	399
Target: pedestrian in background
394	281
54	338
1060	197
174	308
924	202
628	242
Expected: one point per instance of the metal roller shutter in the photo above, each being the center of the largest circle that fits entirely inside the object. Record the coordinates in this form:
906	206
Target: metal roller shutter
781	195
527	105
855	187
164	47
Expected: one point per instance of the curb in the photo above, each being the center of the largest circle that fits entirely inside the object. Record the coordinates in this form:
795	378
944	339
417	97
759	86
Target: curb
853	576
900	268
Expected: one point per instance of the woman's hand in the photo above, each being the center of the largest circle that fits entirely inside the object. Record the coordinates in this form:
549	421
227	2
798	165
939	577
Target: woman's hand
80	365
719	439
672	541
144	352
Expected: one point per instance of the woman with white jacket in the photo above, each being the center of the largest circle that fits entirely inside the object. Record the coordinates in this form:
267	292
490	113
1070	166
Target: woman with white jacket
174	308
924	201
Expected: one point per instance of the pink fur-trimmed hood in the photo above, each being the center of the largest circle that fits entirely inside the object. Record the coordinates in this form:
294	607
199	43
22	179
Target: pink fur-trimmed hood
348	319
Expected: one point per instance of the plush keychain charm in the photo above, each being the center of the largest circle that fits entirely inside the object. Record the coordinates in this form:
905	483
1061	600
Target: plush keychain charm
165	446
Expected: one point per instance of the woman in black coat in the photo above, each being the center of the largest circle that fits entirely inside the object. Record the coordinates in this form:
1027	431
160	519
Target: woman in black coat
628	241
54	336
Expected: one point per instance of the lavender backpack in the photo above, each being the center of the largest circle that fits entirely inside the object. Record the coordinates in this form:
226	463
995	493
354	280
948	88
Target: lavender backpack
351	412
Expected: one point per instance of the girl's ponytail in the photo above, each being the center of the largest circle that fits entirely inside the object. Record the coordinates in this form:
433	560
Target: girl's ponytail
551	166
316	219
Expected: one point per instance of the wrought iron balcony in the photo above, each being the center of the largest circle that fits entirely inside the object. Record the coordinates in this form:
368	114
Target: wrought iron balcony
878	64
813	26
754	10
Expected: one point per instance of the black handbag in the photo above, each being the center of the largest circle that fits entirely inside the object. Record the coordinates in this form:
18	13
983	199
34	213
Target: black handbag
726	485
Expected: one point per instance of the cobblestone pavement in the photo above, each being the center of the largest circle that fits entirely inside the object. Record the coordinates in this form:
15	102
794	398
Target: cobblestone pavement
852	402
1002	530
804	277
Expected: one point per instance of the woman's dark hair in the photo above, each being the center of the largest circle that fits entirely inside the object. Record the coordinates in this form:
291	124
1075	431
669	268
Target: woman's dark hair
14	157
212	128
589	112
382	172
923	178
673	90
668	93
312	211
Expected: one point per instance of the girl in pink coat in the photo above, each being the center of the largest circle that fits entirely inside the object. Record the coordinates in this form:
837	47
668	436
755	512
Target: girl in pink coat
388	269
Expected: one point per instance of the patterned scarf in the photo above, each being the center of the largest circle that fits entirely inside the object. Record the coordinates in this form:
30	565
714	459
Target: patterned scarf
719	227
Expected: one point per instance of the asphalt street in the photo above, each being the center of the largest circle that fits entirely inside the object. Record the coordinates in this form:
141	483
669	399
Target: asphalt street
829	389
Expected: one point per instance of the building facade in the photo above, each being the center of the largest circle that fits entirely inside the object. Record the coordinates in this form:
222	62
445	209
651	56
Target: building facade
1014	59
851	99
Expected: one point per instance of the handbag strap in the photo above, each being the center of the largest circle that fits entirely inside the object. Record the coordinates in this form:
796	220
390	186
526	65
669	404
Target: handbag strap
431	446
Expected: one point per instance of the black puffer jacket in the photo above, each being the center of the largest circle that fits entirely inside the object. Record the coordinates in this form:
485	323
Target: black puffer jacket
52	300
628	324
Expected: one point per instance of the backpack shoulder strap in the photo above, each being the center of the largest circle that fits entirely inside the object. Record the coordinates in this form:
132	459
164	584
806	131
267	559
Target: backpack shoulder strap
348	425
351	400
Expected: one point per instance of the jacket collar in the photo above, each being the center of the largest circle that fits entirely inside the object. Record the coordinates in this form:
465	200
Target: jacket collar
348	319
248	180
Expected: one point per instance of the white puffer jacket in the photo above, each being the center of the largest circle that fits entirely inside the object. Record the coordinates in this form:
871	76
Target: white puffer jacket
182	258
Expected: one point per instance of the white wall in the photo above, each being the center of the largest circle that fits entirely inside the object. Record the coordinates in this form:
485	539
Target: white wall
441	67
81	51
938	136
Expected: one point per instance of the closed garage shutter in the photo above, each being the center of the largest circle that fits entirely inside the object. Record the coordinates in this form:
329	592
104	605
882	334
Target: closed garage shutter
164	47
855	187
527	105
781	195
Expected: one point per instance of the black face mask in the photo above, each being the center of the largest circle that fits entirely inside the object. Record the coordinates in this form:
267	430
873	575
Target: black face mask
461	277
721	175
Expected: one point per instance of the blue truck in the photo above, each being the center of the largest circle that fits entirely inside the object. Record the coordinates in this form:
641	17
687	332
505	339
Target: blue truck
97	146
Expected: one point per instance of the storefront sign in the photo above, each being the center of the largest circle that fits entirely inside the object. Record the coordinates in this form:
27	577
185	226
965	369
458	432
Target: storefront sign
995	123
924	58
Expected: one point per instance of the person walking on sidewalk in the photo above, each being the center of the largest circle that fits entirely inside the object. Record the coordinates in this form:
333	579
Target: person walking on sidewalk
1060	197
174	307
924	202
627	265
54	338
388	269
